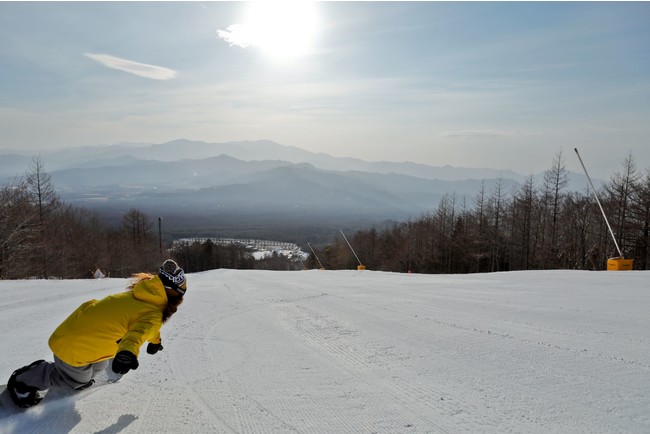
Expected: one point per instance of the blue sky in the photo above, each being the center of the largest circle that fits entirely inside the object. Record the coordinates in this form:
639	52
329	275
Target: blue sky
503	85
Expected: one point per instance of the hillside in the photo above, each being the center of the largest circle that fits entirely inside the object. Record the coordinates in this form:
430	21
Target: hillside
202	188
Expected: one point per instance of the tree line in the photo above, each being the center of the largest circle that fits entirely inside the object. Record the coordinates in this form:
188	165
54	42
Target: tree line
42	237
532	227
206	255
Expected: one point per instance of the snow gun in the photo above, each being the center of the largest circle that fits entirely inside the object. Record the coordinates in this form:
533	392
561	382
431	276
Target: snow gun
360	266
613	264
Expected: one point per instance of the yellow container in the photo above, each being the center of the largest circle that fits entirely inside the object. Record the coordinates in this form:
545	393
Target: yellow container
619	264
361	267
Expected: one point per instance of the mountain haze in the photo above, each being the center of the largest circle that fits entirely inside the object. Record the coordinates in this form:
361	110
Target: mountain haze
253	181
259	150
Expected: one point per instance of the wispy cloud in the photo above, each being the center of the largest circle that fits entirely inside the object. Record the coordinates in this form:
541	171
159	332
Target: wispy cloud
140	69
238	35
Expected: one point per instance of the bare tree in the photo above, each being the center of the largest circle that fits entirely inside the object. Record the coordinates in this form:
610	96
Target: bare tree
81	242
44	197
640	215
523	207
496	205
481	240
135	245
138	226
555	181
619	192
18	231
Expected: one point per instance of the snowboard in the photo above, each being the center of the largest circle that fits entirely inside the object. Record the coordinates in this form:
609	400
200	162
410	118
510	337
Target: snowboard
51	399
7	406
56	413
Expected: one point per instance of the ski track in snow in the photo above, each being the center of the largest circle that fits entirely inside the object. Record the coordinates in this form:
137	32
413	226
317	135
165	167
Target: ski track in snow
361	352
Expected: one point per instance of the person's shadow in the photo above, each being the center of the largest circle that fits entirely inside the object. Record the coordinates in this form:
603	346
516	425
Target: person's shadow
55	417
124	421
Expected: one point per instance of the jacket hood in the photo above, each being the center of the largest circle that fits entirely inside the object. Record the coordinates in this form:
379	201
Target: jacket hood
151	291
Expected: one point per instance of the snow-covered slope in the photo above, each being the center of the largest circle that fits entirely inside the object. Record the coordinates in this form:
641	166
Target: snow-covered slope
361	352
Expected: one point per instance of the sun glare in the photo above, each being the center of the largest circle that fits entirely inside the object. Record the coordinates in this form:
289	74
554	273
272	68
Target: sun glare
283	29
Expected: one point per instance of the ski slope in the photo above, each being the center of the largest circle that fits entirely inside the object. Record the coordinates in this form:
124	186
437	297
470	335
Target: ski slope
360	352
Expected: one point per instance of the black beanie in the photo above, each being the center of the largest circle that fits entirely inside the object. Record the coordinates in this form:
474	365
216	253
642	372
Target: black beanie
173	276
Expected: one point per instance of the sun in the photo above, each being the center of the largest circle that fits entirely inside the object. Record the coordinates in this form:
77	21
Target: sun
283	29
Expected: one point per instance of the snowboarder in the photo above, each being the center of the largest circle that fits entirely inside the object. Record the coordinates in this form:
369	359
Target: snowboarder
114	327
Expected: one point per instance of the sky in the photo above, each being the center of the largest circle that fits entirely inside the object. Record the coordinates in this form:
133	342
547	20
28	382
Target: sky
505	85
321	351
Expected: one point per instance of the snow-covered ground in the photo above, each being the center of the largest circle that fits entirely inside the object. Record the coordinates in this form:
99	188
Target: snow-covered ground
361	352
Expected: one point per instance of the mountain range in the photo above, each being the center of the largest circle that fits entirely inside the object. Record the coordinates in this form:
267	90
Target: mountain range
250	178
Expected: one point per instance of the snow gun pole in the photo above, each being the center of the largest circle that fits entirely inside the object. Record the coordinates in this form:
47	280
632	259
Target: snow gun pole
360	266
160	234
598	201
315	256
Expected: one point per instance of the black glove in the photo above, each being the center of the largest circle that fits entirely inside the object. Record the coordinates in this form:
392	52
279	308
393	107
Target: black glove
124	361
154	348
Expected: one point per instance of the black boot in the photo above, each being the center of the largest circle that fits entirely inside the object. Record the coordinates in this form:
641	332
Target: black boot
86	386
22	394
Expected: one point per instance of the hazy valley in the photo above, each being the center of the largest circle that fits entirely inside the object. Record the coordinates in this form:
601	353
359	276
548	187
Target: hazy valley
256	189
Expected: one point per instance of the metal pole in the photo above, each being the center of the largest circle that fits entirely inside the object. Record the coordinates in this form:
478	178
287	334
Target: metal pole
346	240
598	201
312	250
160	234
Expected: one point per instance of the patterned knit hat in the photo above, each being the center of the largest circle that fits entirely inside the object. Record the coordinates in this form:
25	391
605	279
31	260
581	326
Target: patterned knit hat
173	276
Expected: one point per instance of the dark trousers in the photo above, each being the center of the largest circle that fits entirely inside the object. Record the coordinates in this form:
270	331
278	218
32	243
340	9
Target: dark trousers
60	374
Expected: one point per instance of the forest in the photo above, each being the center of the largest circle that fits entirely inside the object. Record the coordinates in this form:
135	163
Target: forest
543	226
533	227
43	237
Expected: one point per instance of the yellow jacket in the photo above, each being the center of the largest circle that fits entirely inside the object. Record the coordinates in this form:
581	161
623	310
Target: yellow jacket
98	329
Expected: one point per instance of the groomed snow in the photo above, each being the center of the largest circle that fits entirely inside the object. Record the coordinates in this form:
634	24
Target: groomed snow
360	352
